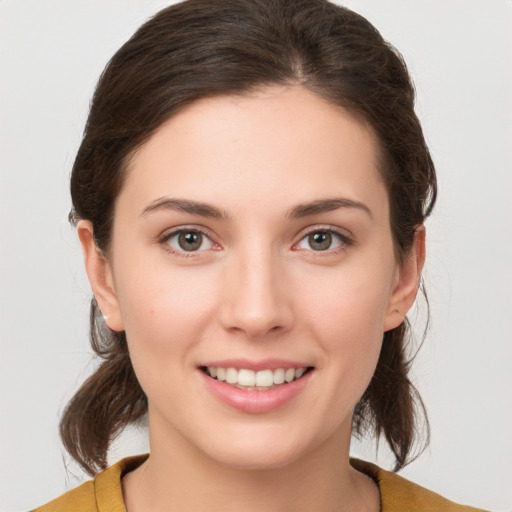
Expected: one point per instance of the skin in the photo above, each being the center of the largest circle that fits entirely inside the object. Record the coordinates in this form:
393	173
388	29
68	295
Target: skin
256	289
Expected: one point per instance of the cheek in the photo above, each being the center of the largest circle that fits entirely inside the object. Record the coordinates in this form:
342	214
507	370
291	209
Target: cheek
345	312
164	308
347	305
165	315
351	334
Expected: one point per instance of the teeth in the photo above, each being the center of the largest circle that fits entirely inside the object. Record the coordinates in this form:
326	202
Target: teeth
278	376
246	378
289	375
254	380
232	376
265	378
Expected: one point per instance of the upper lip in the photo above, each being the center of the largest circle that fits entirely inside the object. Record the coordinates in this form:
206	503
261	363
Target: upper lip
264	364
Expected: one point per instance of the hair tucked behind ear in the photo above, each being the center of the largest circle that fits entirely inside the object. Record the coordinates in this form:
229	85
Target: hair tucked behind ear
200	48
105	403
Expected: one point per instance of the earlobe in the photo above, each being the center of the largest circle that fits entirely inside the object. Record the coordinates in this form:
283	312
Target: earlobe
100	276
408	282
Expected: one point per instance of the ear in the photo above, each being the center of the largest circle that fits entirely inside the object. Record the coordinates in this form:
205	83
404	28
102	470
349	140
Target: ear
408	281
100	276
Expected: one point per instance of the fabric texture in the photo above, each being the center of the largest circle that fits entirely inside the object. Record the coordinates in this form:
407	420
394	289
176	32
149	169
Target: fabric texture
104	493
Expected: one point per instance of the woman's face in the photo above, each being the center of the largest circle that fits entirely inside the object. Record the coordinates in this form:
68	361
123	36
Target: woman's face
252	241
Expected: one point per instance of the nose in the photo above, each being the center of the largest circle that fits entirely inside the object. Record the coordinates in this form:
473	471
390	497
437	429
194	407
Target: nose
256	297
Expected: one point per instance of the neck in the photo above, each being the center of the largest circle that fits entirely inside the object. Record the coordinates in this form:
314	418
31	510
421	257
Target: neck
177	476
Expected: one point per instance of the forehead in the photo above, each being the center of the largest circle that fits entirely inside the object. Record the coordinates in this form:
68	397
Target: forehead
279	138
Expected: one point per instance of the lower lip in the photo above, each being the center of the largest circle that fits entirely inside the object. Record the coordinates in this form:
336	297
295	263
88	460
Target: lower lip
256	402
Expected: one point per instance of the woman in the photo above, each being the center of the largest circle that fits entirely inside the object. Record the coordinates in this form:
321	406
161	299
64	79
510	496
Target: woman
250	195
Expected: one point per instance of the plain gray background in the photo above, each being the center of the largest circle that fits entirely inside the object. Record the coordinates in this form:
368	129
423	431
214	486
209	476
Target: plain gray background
459	53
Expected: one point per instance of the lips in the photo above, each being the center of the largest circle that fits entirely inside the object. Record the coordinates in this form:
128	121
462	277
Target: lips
262	388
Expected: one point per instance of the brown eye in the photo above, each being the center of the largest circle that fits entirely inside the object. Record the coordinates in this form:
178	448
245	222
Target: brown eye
323	240
188	241
320	240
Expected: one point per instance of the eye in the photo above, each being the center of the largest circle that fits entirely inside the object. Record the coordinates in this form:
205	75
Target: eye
322	240
188	240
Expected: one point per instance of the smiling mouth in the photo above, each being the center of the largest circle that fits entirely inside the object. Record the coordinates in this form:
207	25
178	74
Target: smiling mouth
250	380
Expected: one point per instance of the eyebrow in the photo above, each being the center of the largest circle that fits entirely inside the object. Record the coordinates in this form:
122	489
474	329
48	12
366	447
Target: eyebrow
212	212
326	205
187	206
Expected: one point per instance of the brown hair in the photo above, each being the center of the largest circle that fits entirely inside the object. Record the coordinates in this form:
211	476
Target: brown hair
200	48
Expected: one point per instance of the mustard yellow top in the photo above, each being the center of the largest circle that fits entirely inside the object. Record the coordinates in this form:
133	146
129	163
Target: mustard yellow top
104	493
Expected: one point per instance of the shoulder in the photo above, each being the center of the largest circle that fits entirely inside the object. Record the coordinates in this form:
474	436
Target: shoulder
401	495
103	494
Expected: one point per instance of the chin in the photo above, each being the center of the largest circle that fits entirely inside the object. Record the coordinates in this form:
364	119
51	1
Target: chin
260	449
257	460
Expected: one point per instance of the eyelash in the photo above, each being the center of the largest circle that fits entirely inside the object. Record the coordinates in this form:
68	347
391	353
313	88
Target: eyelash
345	241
